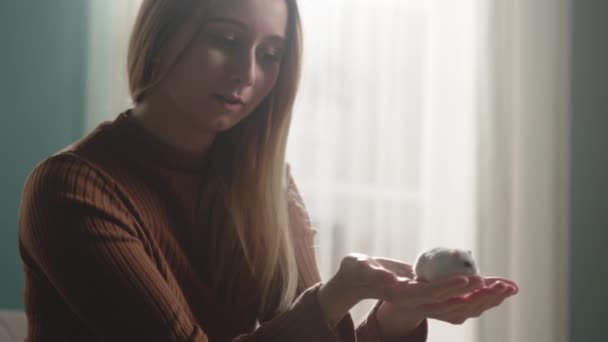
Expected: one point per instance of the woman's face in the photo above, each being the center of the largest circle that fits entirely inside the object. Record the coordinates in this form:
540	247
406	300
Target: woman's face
231	65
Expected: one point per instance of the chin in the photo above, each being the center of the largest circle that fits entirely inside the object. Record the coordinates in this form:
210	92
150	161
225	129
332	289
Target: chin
222	124
225	122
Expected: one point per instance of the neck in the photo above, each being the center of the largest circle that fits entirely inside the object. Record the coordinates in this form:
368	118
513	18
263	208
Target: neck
170	127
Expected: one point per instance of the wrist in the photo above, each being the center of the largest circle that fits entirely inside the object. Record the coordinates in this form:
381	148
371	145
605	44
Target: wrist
393	323
335	301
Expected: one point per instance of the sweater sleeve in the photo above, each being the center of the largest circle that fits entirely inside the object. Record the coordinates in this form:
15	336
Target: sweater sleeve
368	330
81	233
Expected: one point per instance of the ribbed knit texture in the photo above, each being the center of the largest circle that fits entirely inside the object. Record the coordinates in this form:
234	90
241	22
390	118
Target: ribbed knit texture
113	250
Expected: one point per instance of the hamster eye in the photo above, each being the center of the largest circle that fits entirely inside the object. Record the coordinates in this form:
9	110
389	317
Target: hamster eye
468	264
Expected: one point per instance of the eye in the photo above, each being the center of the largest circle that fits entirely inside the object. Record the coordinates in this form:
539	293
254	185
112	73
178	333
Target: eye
227	40
272	57
468	264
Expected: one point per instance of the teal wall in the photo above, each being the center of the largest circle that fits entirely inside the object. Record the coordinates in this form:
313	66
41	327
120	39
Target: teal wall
589	171
42	89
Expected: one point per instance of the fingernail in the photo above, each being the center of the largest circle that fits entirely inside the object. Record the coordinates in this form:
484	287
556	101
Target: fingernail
461	282
500	287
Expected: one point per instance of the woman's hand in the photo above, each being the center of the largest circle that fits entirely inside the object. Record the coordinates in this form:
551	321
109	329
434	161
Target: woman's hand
458	309
359	277
411	301
363	277
406	300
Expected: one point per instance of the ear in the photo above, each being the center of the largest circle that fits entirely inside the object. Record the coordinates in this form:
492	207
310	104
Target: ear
469	252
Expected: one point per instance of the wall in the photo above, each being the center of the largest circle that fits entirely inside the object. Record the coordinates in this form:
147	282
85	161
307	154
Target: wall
42	89
589	171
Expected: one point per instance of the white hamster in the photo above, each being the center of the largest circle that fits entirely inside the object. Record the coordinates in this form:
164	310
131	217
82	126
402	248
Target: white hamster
440	262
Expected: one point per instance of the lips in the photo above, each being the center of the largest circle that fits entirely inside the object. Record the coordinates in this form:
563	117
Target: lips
231	99
230	103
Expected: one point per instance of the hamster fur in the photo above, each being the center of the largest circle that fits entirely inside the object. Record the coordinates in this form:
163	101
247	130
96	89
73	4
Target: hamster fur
440	262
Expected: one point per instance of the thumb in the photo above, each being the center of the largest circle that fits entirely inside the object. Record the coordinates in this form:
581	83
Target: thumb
401	269
386	278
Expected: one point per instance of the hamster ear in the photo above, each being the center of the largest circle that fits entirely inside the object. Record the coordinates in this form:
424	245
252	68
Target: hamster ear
469	252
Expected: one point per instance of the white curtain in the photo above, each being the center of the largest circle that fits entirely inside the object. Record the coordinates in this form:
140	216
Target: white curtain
383	139
524	165
422	123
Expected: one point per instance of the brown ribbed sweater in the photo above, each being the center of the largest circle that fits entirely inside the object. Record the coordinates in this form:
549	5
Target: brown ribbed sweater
112	250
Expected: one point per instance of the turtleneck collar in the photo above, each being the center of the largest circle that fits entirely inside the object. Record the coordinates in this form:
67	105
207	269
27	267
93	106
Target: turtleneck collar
148	146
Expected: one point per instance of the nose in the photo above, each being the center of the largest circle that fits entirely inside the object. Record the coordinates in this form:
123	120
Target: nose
243	70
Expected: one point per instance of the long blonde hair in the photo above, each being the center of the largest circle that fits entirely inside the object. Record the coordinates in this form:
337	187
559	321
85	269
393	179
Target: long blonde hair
247	162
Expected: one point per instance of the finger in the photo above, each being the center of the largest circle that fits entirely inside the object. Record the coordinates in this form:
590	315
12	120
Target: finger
469	305
498	289
400	268
499	285
453	309
502	291
512	286
474	283
487	299
362	264
385	278
434	292
417	291
458	309
452	317
439	308
449	287
379	275
362	271
486	305
491	280
429	298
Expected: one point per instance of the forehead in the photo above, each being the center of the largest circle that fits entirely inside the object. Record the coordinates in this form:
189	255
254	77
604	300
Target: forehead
263	17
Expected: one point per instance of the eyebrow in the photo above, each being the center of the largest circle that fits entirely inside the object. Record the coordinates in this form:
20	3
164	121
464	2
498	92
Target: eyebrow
243	26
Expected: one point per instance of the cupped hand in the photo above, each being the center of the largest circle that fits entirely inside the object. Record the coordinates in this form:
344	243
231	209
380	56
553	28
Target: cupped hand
458	309
408	299
452	300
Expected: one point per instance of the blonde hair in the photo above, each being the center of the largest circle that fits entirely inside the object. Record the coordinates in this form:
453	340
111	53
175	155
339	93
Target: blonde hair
246	163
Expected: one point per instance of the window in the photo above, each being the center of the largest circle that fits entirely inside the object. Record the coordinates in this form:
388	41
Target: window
383	137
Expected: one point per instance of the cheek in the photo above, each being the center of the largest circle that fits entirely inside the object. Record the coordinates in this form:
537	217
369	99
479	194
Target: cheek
212	61
195	75
266	83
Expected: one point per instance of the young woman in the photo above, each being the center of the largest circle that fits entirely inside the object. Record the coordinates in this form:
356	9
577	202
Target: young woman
180	221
